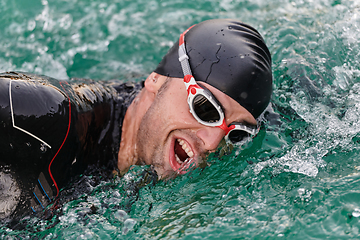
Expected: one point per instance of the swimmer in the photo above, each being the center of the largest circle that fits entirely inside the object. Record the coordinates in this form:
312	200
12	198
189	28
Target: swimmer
213	84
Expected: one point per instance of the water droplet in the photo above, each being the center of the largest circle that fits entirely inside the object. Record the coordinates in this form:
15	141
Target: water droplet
356	212
43	147
244	95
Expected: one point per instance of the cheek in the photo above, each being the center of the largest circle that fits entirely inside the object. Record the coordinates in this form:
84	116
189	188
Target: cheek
178	116
149	131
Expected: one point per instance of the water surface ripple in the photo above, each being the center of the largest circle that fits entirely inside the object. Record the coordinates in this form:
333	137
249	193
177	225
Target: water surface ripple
298	179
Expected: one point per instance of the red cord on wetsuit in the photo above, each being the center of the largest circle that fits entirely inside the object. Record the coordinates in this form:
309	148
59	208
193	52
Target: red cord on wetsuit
67	133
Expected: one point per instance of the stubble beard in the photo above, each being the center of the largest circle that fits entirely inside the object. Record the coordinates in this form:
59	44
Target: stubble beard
150	149
146	138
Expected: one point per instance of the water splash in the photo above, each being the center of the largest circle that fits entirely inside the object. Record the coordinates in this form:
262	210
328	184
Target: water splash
298	179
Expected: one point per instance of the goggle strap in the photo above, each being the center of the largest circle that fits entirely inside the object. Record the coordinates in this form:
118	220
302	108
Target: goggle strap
183	57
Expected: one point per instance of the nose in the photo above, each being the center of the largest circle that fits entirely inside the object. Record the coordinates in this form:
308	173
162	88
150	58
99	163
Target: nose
210	136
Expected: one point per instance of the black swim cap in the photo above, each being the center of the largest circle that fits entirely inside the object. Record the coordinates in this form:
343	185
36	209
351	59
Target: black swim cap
229	55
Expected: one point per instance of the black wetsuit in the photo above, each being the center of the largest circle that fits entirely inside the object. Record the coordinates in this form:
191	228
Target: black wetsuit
51	131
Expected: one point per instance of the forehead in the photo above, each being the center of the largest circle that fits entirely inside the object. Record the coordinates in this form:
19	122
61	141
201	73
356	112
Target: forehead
234	112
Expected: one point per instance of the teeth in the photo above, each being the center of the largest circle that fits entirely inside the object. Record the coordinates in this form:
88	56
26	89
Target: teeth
178	159
185	148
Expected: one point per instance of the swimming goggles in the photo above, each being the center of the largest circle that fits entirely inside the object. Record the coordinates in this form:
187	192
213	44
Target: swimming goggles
205	108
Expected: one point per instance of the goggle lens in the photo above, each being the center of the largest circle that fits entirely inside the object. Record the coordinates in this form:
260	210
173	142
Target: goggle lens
205	110
238	135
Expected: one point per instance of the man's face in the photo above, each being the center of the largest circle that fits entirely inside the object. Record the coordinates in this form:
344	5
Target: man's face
171	139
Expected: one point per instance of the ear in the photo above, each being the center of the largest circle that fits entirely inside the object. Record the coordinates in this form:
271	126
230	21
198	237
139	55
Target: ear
154	82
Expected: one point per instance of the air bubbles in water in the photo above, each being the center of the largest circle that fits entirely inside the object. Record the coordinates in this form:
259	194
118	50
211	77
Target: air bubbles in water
128	225
121	215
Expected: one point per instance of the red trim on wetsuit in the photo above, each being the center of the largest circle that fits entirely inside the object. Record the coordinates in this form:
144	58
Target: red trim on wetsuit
67	133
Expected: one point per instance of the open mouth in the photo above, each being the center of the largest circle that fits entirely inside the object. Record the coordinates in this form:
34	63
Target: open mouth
183	156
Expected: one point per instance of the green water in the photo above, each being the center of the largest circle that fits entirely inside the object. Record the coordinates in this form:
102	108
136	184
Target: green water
298	179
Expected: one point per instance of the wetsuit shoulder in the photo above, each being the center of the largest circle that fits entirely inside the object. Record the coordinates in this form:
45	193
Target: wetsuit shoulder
52	130
35	126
